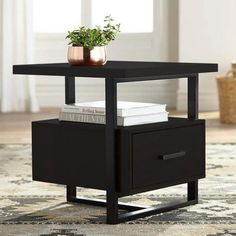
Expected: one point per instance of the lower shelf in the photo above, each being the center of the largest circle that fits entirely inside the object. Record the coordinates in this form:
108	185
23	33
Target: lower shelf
148	156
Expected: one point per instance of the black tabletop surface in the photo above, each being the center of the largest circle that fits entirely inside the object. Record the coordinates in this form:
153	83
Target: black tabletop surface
122	70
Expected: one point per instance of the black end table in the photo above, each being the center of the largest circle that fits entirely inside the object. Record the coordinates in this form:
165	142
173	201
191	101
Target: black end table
121	160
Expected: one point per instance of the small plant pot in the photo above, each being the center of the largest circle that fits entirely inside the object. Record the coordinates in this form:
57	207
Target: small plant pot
80	56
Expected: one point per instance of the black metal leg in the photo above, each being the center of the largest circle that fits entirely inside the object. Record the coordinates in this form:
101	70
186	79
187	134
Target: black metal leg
69	89
137	211
193	191
193	115
70	98
111	202
193	97
70	193
111	123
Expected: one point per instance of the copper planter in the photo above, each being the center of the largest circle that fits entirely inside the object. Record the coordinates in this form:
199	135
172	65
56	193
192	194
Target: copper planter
84	56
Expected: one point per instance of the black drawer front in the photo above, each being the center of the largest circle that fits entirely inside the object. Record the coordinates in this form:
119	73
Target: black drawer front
168	155
68	154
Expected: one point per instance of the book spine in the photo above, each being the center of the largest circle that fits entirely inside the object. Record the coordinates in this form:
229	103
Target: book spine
84	110
87	118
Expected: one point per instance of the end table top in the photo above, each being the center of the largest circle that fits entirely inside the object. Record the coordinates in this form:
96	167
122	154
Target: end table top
121	71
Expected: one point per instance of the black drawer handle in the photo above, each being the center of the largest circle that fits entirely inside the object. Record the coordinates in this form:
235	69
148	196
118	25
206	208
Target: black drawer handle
172	155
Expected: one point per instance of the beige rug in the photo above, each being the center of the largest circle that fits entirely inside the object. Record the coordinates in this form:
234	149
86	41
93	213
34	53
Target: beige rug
34	208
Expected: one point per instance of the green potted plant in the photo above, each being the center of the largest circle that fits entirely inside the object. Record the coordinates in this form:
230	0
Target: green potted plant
88	45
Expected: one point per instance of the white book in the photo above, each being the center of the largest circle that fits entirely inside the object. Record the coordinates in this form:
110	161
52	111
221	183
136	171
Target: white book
123	108
121	121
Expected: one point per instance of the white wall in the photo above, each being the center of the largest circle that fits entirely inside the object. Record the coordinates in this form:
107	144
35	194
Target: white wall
156	47
207	33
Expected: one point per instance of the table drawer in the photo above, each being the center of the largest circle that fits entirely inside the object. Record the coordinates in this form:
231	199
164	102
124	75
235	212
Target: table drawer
168	155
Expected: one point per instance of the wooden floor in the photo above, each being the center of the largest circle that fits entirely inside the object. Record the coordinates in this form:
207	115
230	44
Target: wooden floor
16	127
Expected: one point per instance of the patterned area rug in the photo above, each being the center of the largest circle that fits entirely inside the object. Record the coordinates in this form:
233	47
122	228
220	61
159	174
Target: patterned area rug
42	206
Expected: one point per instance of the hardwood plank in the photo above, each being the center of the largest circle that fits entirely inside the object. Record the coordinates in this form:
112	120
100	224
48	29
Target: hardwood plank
16	127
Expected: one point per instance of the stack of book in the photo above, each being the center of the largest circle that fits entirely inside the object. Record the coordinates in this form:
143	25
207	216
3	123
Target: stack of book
128	113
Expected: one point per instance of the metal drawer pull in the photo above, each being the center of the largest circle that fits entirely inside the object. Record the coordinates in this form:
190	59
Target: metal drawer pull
172	155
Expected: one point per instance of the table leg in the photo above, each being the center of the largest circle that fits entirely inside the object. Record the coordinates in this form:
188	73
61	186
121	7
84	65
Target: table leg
69	89
193	191
70	98
70	193
193	97
193	115
111	202
111	123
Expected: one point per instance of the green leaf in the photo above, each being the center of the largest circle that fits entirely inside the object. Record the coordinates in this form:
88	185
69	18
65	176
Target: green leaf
90	38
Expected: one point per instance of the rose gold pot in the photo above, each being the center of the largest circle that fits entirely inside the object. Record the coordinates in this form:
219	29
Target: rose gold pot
84	56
